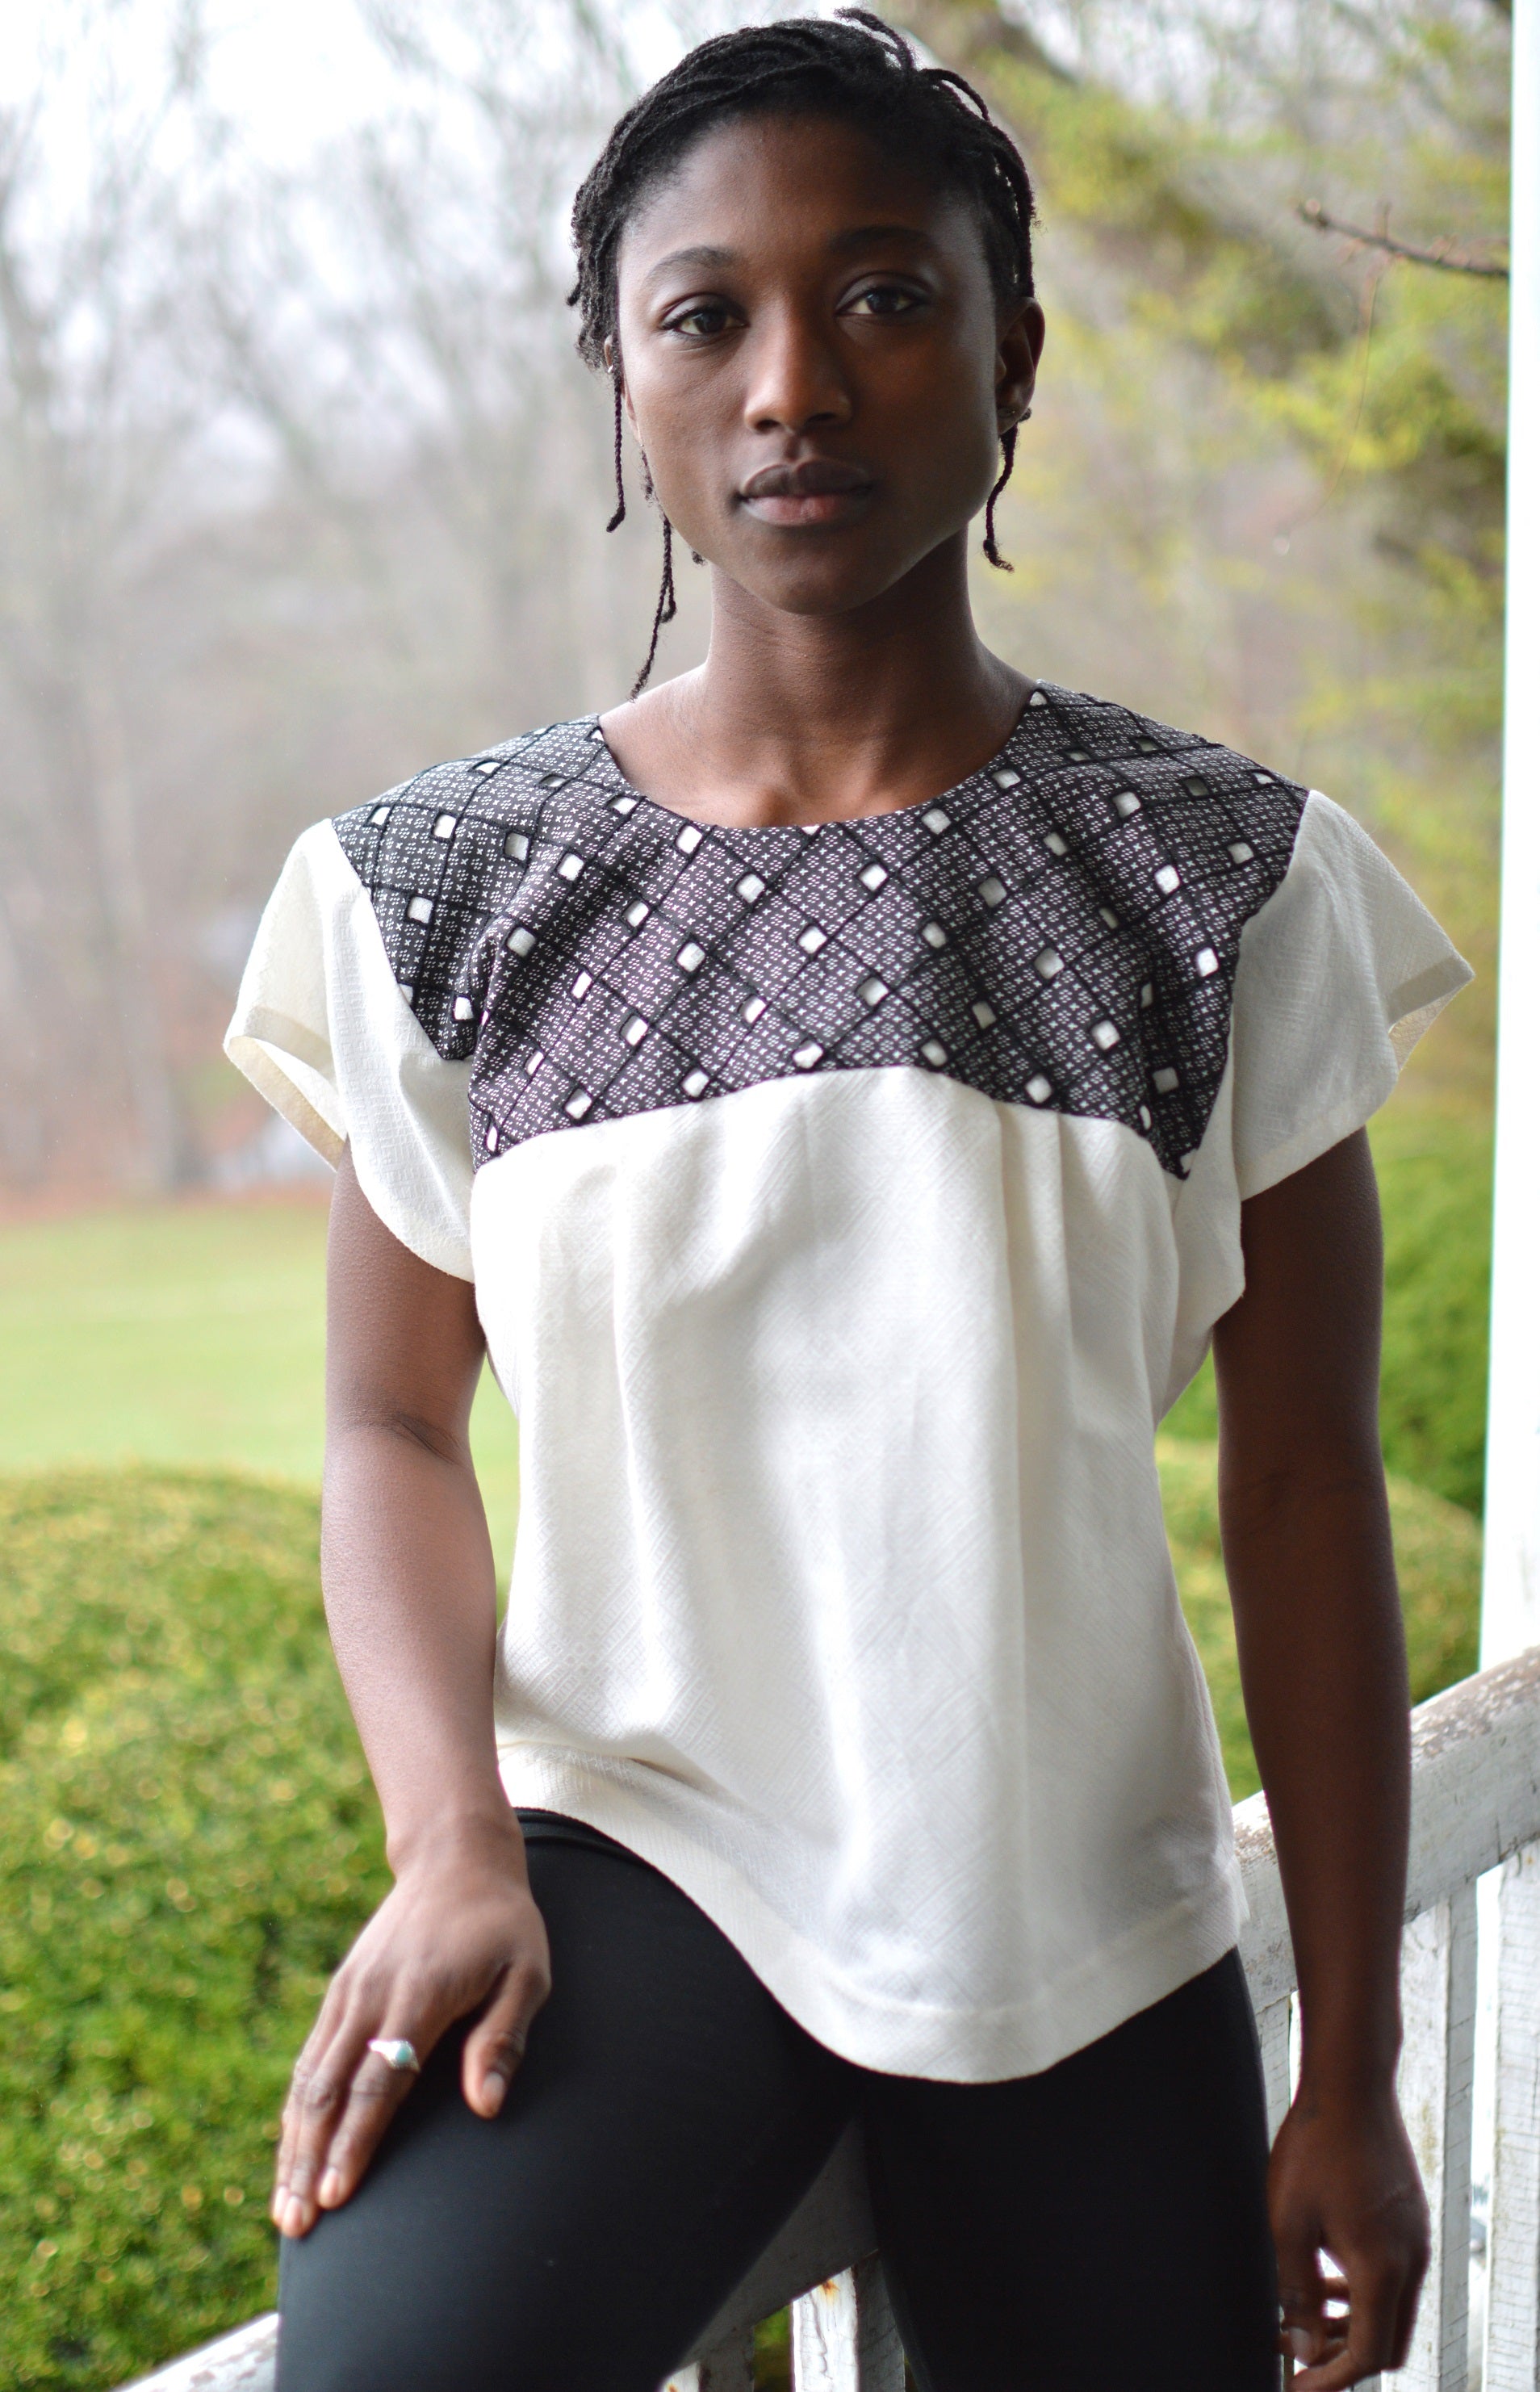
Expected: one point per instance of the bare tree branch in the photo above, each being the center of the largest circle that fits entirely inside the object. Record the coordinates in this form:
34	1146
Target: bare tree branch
1448	259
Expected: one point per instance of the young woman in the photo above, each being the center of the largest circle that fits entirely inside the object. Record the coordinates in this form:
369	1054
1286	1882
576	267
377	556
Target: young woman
844	1091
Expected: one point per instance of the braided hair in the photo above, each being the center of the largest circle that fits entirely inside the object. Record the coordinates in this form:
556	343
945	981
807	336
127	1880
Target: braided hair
854	69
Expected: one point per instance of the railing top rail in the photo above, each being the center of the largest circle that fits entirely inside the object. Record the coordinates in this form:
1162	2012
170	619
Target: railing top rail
1492	1703
1475	1799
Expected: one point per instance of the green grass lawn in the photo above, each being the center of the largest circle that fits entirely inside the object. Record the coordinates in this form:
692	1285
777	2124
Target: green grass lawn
190	1334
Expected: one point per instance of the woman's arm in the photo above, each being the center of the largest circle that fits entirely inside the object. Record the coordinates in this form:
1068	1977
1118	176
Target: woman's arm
1323	1663
410	1596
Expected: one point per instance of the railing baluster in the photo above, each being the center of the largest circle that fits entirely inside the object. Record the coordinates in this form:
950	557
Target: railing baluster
844	2338
728	2368
824	2327
1273	2034
879	2348
1513	2278
1438	1981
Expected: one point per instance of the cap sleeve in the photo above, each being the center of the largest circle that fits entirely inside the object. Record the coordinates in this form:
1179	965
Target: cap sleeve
324	1033
1340	974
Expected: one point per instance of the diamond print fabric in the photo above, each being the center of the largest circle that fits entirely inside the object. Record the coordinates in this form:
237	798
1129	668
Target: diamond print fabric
1060	931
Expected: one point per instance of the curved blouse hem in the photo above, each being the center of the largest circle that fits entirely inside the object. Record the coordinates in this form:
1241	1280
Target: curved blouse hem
896	2037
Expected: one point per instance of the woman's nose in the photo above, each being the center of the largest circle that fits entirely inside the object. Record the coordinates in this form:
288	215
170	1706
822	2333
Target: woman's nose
795	379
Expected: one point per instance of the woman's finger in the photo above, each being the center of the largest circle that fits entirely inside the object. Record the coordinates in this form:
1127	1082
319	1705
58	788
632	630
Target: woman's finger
1337	2372
1375	2301
496	2044
321	2090
332	2012
376	2092
1405	2321
1301	2292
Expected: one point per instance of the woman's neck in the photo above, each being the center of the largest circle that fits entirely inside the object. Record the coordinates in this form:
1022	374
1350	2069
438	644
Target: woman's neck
802	718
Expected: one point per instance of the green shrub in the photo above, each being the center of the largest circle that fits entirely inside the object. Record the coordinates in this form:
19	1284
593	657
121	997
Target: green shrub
1435	1173
1435	1189
188	1841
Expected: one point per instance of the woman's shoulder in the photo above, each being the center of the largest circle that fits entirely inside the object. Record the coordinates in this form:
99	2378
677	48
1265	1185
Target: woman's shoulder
1179	839
462	804
441	856
1112	756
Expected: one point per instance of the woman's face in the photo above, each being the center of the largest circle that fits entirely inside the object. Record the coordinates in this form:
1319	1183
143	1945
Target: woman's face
815	363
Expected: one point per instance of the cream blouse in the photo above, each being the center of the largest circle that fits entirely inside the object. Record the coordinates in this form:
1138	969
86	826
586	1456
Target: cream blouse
845	1206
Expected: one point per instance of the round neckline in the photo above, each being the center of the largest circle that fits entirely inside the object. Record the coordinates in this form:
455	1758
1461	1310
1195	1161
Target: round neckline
918	806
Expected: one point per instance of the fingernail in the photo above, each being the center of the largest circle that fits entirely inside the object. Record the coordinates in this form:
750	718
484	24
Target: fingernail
332	2189
294	2214
492	2088
1301	2342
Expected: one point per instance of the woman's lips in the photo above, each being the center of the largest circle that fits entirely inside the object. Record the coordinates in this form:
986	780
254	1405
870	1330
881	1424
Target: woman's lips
813	490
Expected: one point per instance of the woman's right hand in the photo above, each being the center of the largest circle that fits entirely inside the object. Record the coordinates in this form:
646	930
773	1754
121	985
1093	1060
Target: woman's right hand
459	1932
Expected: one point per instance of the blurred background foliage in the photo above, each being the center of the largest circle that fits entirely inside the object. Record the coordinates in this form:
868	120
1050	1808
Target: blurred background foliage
300	487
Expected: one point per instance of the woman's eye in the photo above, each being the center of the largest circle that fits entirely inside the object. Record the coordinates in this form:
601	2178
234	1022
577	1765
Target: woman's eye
883	299
701	323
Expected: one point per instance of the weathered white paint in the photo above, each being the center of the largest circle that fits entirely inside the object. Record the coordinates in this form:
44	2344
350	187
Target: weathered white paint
1437	1978
242	2362
1273	2035
844	2338
728	2368
1513	2278
1510	1603
823	2336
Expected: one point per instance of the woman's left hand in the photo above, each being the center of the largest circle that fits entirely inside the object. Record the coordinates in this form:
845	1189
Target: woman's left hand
1343	2182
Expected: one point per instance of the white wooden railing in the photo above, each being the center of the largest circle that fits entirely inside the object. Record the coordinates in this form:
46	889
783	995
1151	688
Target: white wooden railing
1475	1807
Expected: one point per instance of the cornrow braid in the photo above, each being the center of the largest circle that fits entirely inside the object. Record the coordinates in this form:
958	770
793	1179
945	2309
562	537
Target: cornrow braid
619	515
666	609
1007	456
854	68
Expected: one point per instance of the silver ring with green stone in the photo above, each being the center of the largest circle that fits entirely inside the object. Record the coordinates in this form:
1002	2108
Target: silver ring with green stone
395	2053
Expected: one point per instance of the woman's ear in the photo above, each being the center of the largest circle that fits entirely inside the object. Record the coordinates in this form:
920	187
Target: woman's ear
1019	349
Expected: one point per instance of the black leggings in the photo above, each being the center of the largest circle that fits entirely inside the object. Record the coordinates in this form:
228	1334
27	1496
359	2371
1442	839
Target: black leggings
1098	2227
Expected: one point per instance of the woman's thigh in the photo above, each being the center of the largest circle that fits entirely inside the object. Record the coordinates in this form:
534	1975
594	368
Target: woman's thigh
1100	2225
668	2116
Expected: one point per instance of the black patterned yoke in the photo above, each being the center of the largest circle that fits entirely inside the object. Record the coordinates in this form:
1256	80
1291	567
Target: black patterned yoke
1060	931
